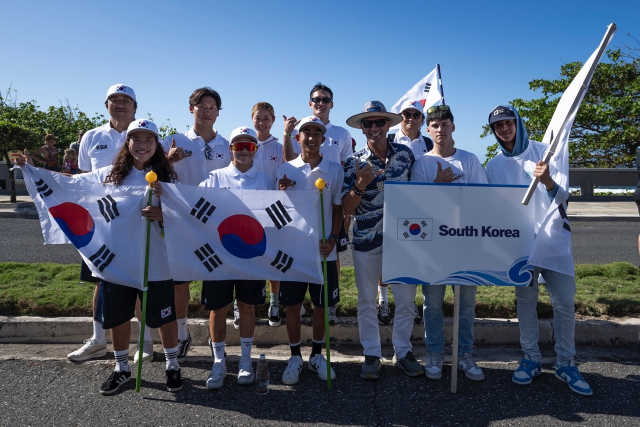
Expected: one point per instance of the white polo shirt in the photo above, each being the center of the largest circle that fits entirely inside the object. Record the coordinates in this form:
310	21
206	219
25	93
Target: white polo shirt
99	147
194	169
418	146
231	178
425	168
268	158
304	178
339	136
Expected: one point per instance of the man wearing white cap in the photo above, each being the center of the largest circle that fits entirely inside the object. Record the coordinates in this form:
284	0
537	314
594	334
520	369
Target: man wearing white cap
98	149
365	173
217	295
194	154
301	174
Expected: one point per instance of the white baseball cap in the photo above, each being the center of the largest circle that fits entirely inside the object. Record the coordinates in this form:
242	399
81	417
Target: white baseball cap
312	120
412	104
143	125
243	131
121	89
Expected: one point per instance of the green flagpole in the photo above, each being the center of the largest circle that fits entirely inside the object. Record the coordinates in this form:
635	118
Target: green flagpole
320	184
151	177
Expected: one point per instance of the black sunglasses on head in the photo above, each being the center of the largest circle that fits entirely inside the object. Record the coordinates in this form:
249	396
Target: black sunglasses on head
378	122
438	107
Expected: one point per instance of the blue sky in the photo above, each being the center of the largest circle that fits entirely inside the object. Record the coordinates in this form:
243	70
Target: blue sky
253	51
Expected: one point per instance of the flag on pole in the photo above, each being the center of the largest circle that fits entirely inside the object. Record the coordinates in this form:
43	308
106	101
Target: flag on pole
222	234
552	246
427	91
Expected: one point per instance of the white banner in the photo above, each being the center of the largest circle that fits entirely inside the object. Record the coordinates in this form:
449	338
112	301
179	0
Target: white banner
221	234
474	234
426	91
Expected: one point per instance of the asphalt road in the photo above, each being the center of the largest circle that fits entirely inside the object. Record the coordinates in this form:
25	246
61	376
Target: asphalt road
57	392
594	242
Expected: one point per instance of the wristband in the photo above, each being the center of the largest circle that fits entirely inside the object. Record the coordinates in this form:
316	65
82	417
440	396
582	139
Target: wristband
286	134
334	237
357	191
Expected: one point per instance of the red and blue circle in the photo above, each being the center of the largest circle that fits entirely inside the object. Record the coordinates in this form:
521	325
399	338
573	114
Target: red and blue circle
414	229
75	221
243	236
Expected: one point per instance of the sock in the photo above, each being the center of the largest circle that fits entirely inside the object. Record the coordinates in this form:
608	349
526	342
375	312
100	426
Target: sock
122	360
235	305
183	334
246	344
171	355
218	351
382	291
147	333
316	347
98	332
274	300
295	349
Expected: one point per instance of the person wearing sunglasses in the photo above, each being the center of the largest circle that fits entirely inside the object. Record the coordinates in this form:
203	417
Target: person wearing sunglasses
217	295
194	154
301	174
365	173
517	163
448	164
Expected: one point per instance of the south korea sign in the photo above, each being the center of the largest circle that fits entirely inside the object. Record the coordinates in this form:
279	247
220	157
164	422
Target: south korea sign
436	234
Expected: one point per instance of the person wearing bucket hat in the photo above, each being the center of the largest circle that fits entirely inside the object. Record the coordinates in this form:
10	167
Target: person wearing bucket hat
217	295
194	155
365	173
517	163
97	149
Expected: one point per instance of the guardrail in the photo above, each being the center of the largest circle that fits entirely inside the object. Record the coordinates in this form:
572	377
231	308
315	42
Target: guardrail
587	179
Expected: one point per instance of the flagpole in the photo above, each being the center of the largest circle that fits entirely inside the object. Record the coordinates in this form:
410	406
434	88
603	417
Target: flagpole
320	184
440	83
151	177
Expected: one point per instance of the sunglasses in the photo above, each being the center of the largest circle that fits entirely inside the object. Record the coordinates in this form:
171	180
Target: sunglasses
241	146
378	122
438	107
318	100
408	115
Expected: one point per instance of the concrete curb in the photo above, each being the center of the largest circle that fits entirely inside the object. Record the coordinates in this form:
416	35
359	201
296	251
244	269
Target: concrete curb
62	330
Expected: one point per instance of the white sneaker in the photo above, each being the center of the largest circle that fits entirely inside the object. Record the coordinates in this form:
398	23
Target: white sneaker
236	319
245	372
291	374
332	314
147	352
433	367
90	350
216	377
471	370
318	364
274	316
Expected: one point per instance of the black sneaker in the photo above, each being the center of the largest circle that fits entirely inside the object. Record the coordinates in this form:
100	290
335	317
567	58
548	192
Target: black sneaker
384	314
115	380
174	380
417	314
183	349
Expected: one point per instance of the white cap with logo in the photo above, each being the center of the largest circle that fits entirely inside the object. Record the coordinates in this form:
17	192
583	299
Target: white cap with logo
410	103
142	125
121	89
313	121
243	131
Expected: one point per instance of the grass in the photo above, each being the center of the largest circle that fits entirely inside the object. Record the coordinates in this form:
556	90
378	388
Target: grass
47	289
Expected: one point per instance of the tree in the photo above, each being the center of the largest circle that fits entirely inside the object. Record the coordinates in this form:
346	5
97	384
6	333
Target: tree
15	137
606	131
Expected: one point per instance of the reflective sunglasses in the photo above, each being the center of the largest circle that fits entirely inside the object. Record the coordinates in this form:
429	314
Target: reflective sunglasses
438	107
367	124
241	146
407	115
123	102
318	100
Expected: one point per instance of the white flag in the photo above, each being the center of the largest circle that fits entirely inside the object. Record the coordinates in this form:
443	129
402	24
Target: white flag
427	91
552	246
221	234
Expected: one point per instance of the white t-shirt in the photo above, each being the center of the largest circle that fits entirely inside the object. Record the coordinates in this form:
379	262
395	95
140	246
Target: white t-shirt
417	145
231	178
99	147
425	168
194	169
268	158
158	260
337	141
305	179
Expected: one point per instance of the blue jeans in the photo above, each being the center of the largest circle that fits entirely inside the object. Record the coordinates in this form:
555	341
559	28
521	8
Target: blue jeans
562	290
434	318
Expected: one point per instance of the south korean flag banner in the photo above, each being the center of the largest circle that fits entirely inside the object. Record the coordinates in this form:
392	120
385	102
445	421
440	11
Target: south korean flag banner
221	234
415	228
102	221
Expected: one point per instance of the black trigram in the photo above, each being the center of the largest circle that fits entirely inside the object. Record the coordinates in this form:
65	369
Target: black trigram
43	188
278	214
102	258
108	208
405	223
282	262
563	214
423	223
427	86
208	258
405	234
203	210
423	235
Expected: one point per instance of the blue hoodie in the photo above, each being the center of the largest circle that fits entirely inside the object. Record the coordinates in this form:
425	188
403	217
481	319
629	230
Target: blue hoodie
522	137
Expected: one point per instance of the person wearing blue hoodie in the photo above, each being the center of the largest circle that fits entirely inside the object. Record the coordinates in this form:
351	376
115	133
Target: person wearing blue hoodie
517	164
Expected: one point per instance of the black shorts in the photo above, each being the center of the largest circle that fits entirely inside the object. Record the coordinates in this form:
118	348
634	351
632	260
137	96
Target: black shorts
343	238
292	293
85	273
217	294
116	304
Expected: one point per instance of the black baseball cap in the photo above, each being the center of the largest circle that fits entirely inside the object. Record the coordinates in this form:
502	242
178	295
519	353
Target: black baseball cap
501	113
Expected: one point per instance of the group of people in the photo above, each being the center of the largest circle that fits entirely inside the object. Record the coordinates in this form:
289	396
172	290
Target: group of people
47	155
122	150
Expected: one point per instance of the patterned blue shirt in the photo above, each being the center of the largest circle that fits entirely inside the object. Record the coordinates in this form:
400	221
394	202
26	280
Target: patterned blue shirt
367	229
